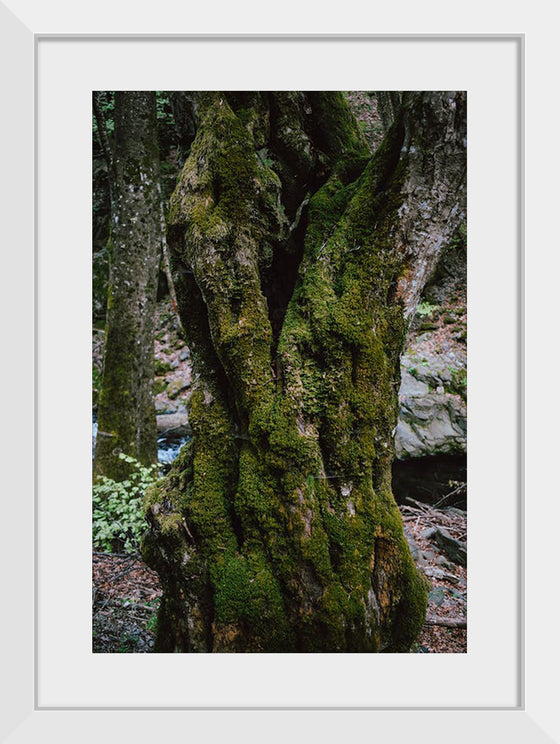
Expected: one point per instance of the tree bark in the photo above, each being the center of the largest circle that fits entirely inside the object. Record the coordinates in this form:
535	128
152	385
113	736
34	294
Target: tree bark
185	115
276	529
126	413
97	101
388	105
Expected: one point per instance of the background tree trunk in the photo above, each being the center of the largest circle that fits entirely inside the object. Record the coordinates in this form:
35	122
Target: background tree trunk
388	106
301	261
126	413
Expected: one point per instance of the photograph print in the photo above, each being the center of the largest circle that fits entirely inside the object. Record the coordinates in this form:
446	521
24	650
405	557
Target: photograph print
279	336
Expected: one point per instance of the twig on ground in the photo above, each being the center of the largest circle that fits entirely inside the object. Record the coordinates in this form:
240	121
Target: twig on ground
419	505
445	622
128	604
123	573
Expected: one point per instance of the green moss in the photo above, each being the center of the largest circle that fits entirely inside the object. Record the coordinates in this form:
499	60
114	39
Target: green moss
335	128
162	366
286	493
159	385
247	592
230	179
411	610
458	384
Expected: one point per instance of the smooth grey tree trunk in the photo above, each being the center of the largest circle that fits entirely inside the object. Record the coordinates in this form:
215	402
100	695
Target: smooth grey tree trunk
126	413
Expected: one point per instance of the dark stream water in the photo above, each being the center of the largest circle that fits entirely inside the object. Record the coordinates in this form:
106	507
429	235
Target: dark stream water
168	448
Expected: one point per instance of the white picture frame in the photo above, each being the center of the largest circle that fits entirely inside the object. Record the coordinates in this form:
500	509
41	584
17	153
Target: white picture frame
532	717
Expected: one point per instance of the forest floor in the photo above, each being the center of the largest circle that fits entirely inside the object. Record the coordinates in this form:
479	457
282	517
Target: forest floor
126	593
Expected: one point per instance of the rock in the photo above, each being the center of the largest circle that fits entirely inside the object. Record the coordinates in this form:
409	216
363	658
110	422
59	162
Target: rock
407	442
454	549
433	412
410	385
442	561
432	572
163	405
437	596
176	423
176	386
417	555
429	555
430	424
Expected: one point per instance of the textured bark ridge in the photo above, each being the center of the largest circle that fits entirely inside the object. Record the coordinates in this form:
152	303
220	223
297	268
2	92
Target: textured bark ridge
126	413
300	260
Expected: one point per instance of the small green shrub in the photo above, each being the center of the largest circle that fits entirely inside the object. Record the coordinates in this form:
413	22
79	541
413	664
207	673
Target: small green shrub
425	309
118	519
151	625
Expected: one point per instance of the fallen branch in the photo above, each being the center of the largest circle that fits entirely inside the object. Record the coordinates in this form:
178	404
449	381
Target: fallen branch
419	505
140	606
445	622
129	568
126	604
460	487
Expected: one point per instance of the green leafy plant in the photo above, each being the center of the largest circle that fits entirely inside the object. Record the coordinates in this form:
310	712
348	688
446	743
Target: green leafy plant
107	104
151	625
164	111
425	309
263	157
118	520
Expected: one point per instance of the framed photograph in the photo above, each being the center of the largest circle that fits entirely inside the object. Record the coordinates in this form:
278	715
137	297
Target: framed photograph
53	680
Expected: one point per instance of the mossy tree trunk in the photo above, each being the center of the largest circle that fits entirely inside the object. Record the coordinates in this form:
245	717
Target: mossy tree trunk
300	262
126	413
